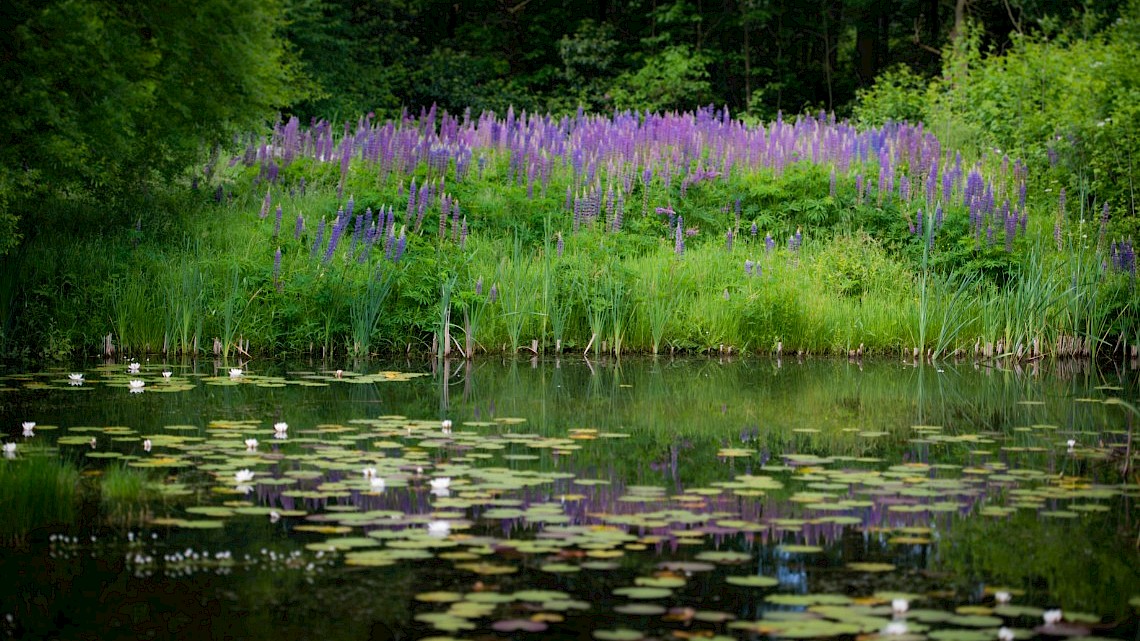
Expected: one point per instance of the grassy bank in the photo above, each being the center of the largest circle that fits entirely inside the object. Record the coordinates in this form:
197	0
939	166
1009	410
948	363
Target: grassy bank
631	233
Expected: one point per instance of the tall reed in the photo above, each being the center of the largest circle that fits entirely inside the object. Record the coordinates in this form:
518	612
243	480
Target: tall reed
366	309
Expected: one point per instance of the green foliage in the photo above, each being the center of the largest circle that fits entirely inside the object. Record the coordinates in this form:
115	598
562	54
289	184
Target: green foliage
898	95
675	78
103	96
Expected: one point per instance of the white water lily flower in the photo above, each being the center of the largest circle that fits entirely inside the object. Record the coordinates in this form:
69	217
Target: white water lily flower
1002	596
281	427
1052	616
377	484
895	628
899	606
133	368
235	372
243	476
1005	634
10	450
1072	443
93	442
167	374
274	516
29	426
369	472
439	529
147	445
75	378
446	426
137	386
250	444
441	483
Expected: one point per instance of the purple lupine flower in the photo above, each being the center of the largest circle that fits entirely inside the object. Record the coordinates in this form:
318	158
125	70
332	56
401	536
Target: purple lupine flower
298	227
769	242
937	218
389	245
479	287
754	231
728	240
560	245
463	234
493	295
277	265
301	186
339	225
748	267
277	222
320	237
1010	226
679	239
265	205
859	189
401	243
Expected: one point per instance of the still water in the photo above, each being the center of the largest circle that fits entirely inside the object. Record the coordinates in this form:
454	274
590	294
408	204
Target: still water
666	499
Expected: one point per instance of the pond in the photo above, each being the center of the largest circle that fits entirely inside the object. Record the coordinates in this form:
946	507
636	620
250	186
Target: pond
666	499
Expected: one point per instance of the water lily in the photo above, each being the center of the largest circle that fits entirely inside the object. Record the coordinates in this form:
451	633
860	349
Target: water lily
439	529
133	368
1052	616
339	373
29	426
235	372
250	444
1005	634
377	484
369	472
94	442
281	428
9	450
167	374
137	386
274	516
440	483
895	628
1071	443
147	445
899	606
243	476
1002	596
75	379
446	426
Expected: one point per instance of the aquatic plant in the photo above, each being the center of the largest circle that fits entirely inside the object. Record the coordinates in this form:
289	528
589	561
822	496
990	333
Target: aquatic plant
39	489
